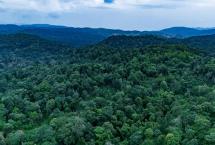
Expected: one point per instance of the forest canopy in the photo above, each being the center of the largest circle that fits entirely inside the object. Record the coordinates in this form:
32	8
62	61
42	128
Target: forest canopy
122	91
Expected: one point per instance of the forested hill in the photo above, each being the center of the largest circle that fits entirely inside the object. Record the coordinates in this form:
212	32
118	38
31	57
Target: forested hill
34	47
106	95
20	48
204	44
124	41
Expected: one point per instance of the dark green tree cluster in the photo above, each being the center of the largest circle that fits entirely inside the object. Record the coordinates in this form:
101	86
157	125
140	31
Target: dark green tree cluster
101	95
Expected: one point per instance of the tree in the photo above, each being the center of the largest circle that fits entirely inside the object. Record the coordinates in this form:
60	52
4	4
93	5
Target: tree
15	138
210	137
102	135
148	133
2	139
136	138
201	125
8	127
50	105
171	139
70	130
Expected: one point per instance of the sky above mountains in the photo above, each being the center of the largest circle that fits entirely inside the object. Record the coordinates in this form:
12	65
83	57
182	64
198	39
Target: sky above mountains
122	14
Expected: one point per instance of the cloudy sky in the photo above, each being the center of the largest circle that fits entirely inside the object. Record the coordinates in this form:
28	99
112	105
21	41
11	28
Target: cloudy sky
122	14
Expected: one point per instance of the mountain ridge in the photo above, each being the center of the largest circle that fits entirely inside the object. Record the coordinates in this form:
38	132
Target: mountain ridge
77	37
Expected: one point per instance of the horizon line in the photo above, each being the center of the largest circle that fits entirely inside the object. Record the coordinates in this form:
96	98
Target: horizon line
88	27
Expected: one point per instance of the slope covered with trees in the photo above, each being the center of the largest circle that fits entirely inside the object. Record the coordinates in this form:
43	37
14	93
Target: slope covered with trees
21	49
202	43
140	93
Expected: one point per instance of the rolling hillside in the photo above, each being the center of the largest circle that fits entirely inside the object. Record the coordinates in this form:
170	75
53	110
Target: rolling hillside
20	49
205	44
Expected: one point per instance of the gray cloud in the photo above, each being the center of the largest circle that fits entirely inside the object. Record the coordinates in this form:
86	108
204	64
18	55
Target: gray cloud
70	5
124	14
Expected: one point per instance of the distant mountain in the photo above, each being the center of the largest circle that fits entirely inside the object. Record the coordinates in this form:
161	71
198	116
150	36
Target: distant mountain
181	32
42	26
78	37
74	36
184	32
7	29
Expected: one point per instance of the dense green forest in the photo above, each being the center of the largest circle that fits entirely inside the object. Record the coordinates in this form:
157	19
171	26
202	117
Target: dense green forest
122	91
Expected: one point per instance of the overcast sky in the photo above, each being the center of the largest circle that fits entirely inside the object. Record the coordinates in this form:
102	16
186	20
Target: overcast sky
118	14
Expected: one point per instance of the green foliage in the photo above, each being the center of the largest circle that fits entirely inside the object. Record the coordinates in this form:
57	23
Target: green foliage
171	139
70	130
15	138
116	92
